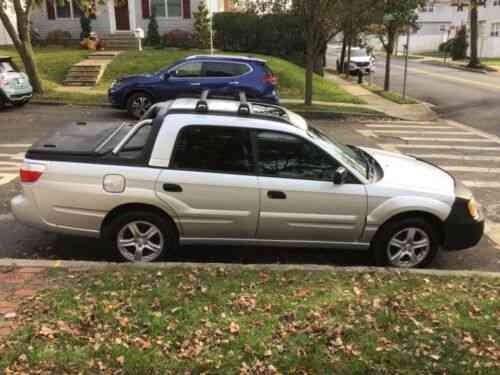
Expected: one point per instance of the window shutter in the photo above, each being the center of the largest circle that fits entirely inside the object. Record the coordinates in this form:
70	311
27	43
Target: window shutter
51	15
186	8
145	9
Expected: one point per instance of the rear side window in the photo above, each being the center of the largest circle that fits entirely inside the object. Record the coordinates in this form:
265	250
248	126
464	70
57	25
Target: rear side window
224	69
214	149
6	67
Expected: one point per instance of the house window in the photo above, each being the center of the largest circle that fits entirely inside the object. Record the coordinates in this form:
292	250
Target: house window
442	28
429	7
66	9
495	29
166	8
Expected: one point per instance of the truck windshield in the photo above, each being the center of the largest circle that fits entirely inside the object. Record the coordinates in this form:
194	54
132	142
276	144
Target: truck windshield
345	153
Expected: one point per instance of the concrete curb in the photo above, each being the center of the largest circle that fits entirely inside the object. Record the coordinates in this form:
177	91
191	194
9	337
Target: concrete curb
56	103
8	262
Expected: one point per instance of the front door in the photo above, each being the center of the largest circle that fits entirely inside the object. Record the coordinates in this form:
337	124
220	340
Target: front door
299	201
184	80
122	15
211	183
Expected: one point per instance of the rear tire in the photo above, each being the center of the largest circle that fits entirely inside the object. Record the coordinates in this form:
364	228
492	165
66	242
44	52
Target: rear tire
406	243
138	104
142	236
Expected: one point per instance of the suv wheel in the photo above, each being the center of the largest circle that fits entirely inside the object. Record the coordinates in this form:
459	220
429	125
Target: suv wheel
142	236
138	104
408	243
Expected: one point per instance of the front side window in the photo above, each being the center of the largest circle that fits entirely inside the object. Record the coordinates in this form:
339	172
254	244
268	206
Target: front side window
188	70
214	149
224	69
287	156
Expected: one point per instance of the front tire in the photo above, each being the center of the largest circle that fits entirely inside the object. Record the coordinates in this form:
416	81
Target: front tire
138	104
406	243
21	103
142	236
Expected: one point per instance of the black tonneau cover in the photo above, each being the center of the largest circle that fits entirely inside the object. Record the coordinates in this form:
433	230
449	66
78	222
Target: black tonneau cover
76	139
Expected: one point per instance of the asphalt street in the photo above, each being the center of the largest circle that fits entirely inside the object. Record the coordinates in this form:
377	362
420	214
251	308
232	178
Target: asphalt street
467	97
21	127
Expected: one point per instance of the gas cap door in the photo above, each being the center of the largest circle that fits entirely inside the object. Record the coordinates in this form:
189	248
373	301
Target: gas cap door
114	183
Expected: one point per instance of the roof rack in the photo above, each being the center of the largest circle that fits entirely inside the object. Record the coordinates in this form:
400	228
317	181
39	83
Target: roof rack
236	57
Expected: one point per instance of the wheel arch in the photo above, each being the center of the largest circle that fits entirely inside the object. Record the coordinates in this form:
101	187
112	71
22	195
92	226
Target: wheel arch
129	207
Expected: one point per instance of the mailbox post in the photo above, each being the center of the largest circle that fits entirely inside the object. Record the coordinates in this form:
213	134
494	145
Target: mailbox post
139	34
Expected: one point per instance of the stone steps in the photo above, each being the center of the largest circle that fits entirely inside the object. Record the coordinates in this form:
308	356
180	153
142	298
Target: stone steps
121	41
89	72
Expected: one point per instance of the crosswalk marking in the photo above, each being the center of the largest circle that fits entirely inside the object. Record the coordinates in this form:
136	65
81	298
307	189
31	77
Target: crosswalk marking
5	178
432	132
460	140
457	157
14	145
409	127
482	184
471	169
441	147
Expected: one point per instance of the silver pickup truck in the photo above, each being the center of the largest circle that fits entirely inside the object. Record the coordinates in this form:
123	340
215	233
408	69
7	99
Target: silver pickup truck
231	172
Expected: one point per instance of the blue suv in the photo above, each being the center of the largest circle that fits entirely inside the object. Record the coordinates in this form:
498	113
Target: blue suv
222	75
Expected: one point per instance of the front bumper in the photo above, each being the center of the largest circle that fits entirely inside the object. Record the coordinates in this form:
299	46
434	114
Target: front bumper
116	99
461	231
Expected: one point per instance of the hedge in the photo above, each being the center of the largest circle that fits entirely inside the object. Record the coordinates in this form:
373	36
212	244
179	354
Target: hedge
271	34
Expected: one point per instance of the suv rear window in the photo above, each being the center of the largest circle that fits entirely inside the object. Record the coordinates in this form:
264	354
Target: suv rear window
224	69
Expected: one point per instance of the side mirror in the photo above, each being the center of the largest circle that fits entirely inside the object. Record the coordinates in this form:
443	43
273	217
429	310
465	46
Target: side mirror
340	176
165	76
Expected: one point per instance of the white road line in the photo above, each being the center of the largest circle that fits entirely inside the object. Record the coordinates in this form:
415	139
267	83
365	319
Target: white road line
473	130
389	127
25	145
420	132
17	155
482	184
6	217
493	232
470	169
5	178
461	140
457	157
441	147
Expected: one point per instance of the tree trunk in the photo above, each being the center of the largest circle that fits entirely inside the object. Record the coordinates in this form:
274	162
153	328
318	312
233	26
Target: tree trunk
340	66
28	58
309	76
387	80
474	37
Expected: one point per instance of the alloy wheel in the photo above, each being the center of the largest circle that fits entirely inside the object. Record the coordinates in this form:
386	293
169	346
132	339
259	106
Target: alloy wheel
140	241
408	247
140	105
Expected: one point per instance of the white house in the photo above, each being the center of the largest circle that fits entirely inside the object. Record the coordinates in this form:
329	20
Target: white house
439	20
115	17
4	36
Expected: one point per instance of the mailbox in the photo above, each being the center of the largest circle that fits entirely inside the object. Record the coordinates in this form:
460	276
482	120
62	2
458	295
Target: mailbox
139	33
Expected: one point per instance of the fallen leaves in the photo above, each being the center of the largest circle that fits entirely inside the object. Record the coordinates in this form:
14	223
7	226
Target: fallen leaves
234	328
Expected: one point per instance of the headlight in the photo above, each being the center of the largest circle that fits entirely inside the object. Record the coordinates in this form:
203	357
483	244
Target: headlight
474	209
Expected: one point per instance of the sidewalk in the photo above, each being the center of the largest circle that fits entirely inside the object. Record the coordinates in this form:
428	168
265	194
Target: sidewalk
409	112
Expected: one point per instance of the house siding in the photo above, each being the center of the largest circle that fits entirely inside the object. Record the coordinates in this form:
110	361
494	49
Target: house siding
104	24
4	36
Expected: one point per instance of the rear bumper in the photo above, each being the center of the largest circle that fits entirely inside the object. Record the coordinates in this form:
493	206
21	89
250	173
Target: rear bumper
461	231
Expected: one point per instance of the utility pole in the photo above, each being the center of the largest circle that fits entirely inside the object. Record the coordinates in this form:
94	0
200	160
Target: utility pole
211	27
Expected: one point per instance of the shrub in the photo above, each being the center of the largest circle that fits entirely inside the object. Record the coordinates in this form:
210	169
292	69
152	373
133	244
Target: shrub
202	26
86	25
456	47
179	39
153	36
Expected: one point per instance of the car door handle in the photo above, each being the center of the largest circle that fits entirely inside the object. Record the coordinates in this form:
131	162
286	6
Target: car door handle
174	188
276	195
195	84
234	83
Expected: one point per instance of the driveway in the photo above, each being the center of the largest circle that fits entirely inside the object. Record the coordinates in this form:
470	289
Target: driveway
466	97
19	128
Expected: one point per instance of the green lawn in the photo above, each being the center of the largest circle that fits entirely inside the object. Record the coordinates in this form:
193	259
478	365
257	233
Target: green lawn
492	61
222	321
54	63
391	95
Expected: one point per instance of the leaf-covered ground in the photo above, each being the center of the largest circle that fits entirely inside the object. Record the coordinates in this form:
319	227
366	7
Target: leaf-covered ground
220	321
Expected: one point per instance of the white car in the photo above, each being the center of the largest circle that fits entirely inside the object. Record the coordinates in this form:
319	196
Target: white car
225	172
361	61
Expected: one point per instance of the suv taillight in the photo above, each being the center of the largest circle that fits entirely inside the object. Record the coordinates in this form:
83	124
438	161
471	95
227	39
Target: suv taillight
31	172
270	79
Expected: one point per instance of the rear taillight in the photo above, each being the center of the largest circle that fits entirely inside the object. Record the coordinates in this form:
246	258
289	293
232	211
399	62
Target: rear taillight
31	172
270	79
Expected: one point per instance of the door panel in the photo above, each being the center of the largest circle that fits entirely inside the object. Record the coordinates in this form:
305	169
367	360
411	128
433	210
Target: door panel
122	15
212	205
311	210
184	81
